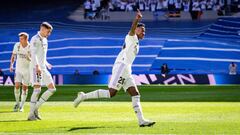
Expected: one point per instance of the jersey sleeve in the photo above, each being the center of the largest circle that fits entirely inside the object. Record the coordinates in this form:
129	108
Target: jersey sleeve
33	50
15	48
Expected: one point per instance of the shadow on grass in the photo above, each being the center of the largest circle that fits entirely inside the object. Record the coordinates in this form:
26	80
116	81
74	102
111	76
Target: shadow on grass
80	128
7	112
83	128
13	121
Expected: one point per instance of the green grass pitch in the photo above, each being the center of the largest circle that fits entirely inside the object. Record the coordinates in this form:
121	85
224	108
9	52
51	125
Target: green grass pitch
205	110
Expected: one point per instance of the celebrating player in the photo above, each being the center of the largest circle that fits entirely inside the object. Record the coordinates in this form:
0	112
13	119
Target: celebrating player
21	52
121	73
39	74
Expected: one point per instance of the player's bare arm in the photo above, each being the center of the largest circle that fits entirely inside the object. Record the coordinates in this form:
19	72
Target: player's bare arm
135	22
13	57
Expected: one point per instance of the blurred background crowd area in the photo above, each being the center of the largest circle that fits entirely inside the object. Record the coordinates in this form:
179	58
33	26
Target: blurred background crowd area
172	7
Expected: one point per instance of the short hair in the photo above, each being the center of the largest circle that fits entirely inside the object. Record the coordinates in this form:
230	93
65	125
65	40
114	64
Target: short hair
23	34
140	25
47	25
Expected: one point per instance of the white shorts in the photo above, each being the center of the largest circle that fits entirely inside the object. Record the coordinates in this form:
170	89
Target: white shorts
44	79
121	77
22	77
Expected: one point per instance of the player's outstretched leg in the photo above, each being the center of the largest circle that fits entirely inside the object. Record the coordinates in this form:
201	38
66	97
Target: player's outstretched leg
100	93
138	108
17	96
23	97
33	103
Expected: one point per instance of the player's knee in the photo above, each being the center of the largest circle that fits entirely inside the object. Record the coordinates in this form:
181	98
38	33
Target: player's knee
112	92
17	86
137	93
133	91
37	86
53	90
51	86
25	91
25	88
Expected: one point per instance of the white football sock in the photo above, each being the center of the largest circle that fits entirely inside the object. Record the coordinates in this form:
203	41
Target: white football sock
17	95
34	99
45	96
100	93
137	108
23	97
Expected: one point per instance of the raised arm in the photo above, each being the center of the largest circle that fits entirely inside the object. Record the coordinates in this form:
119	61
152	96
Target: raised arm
135	22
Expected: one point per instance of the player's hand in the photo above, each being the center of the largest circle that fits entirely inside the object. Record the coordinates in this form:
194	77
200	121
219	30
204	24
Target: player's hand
38	70
139	15
11	68
49	66
28	57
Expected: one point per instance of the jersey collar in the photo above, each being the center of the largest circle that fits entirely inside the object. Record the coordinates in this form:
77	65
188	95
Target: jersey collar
28	44
40	35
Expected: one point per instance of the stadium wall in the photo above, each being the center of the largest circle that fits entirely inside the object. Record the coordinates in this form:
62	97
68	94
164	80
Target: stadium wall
140	79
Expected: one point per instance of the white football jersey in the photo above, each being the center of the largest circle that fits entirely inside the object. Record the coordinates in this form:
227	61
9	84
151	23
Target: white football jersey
129	51
22	53
39	46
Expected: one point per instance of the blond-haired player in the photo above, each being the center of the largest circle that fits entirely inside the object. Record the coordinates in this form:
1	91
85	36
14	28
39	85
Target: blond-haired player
39	75
21	53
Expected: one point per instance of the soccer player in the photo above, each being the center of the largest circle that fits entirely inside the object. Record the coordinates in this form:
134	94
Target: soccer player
39	74
21	53
121	73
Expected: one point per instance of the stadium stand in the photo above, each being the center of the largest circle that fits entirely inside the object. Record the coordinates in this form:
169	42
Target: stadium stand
198	56
89	47
227	28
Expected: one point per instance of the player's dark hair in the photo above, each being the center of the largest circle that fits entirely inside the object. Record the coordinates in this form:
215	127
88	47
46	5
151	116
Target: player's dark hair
140	25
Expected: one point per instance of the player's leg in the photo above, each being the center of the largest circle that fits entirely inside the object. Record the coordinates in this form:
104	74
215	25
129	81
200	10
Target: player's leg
103	93
114	86
33	101
17	96
25	83
47	78
100	93
17	91
36	81
23	96
46	95
132	89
